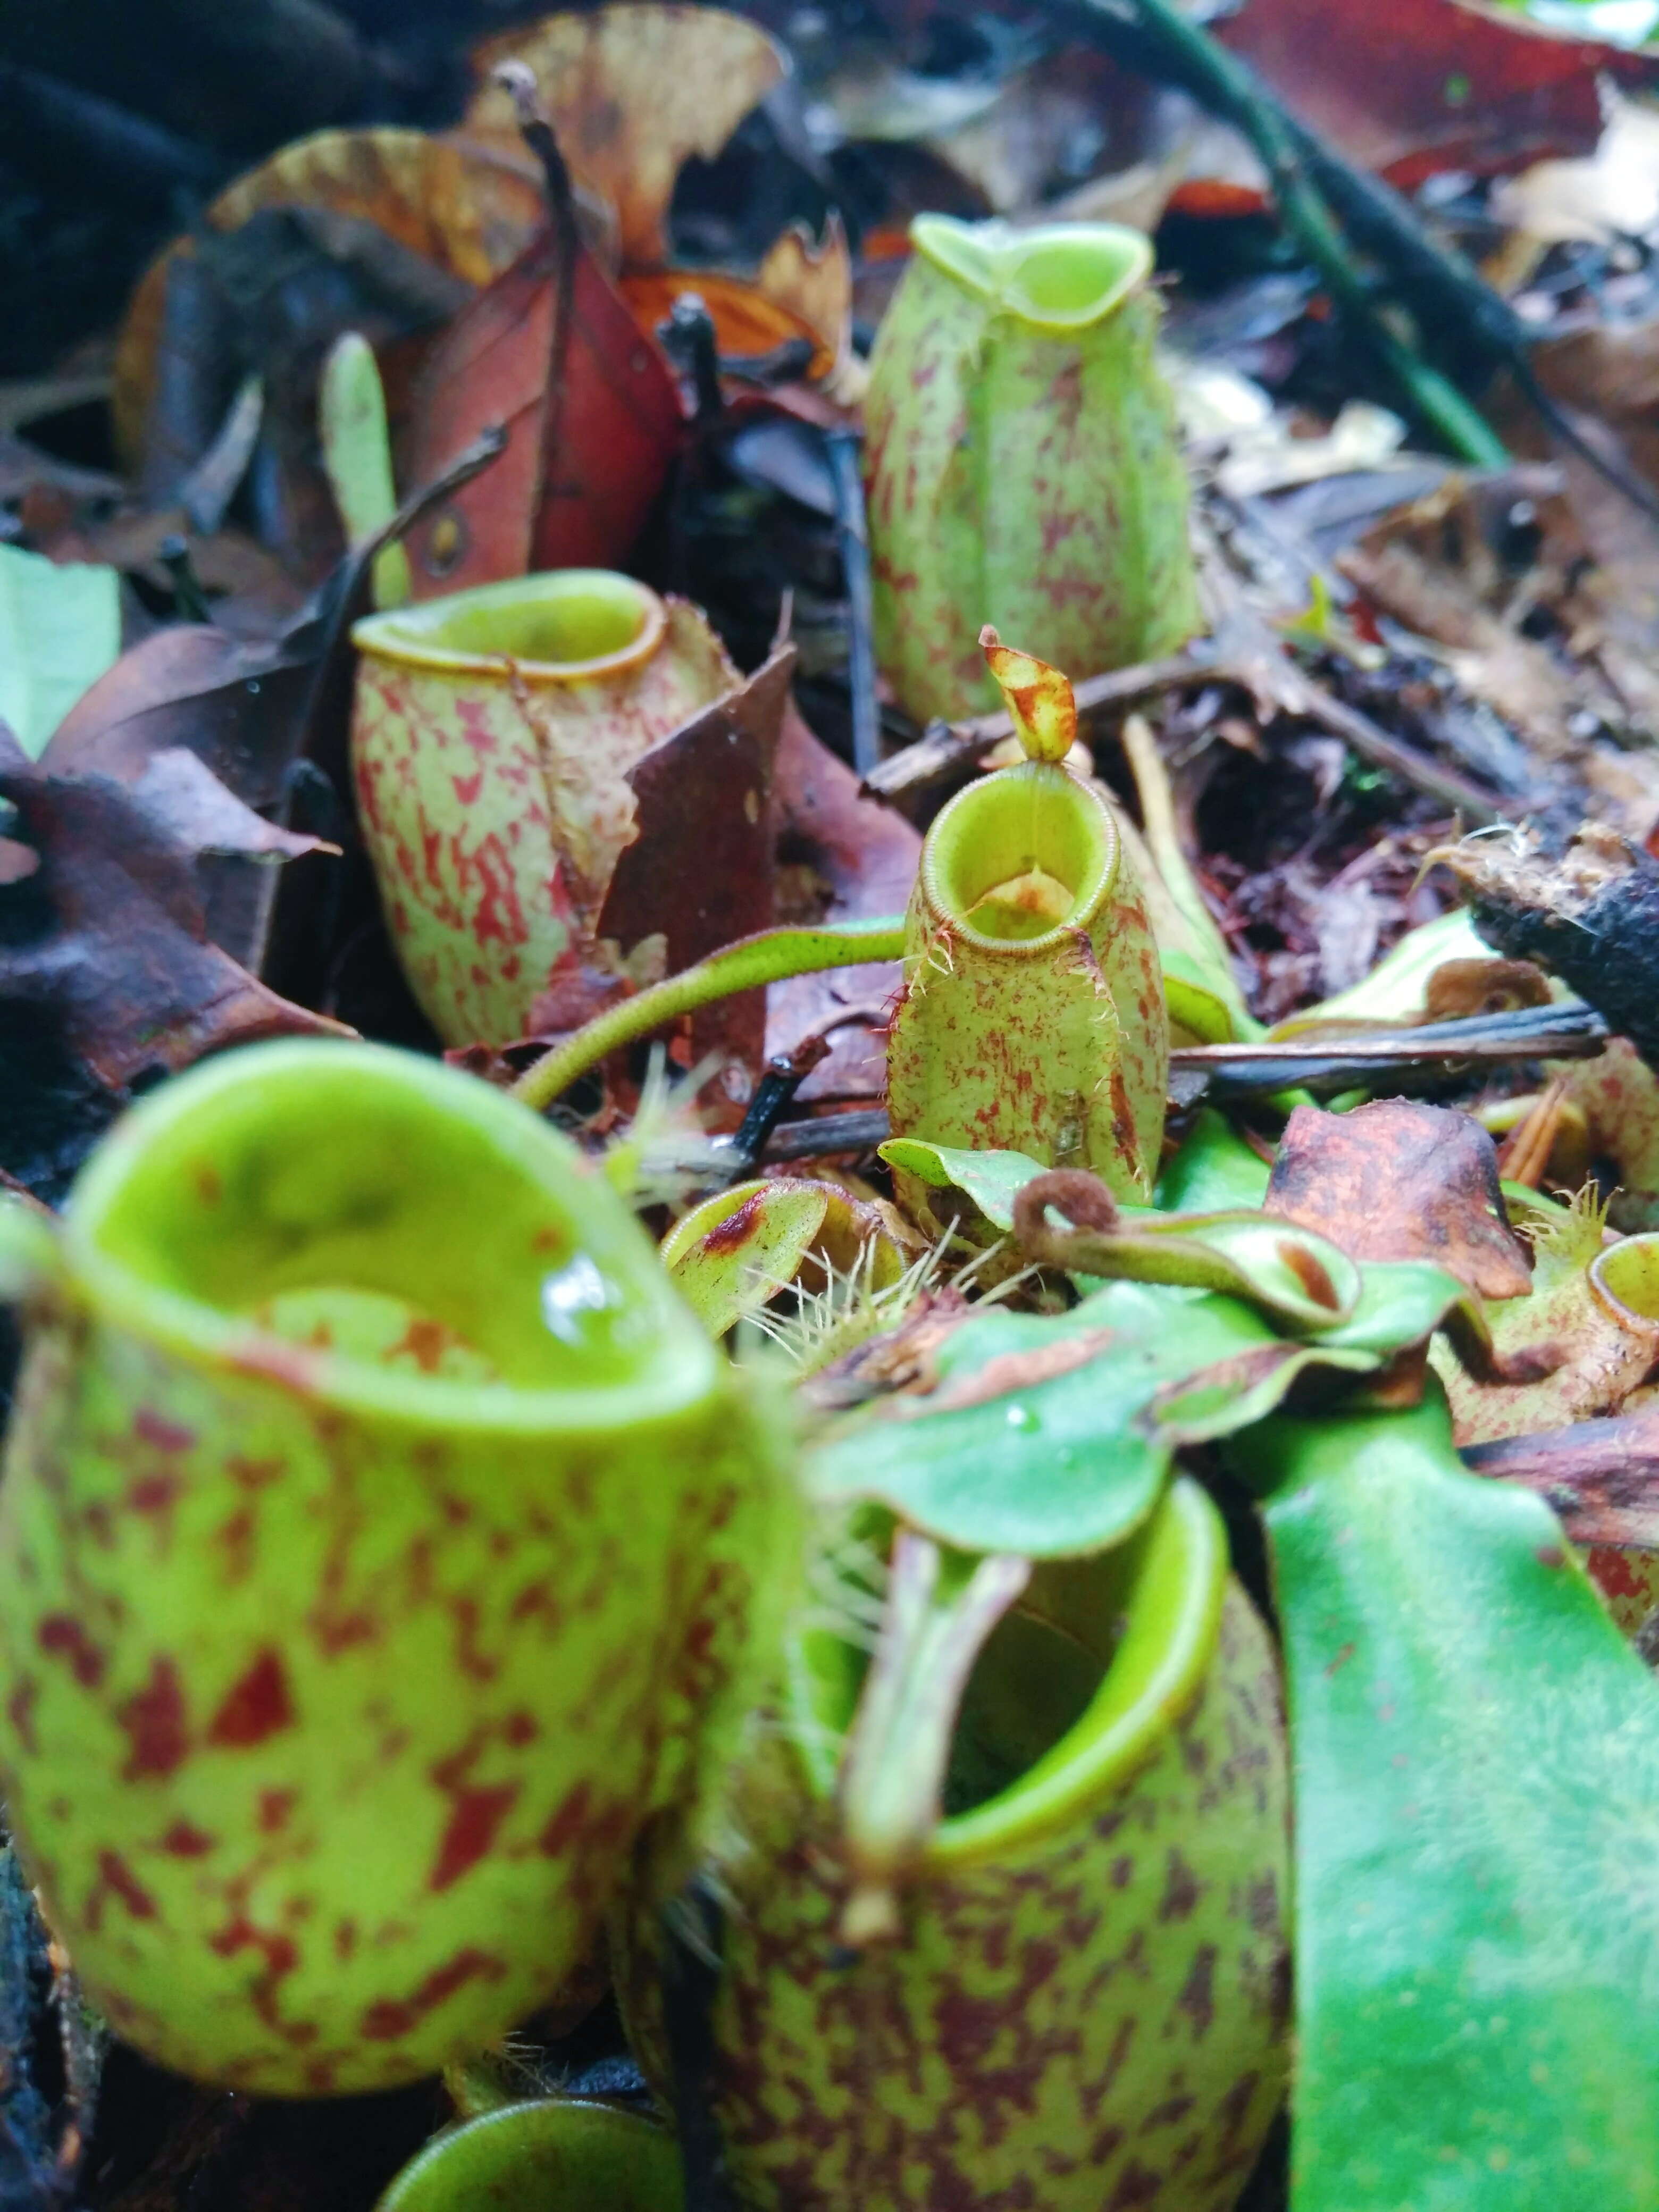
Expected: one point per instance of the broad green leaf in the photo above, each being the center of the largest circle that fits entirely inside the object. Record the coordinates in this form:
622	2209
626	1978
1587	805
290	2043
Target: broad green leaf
1213	1169
992	1180
60	628
1477	1833
1400	1302
1030	1442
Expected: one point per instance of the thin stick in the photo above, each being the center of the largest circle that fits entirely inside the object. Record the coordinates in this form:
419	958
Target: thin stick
948	745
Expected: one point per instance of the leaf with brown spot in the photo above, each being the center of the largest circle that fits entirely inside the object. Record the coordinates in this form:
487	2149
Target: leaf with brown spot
632	92
1397	1179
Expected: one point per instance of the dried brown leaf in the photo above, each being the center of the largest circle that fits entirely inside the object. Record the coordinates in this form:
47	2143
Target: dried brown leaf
468	209
632	92
107	929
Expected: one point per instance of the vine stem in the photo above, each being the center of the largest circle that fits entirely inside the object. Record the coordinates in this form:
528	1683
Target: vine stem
769	957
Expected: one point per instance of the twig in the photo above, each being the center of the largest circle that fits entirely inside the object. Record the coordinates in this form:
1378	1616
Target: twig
945	746
517	80
1441	284
860	1130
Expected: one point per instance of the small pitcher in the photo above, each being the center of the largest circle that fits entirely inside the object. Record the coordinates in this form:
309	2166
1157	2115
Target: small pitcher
492	735
381	1541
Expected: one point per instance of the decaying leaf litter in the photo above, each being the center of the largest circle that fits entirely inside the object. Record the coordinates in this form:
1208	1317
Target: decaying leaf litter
1097	906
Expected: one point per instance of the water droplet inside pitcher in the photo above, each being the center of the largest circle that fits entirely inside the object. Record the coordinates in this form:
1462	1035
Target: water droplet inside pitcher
1022	1417
576	1301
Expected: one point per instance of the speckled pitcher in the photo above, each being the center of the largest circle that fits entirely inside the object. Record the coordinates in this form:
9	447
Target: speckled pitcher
492	734
374	1559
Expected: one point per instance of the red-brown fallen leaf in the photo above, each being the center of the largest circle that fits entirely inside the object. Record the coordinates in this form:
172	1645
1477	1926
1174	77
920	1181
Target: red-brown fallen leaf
840	856
1601	1476
104	919
619	427
239	708
1397	1179
1423	86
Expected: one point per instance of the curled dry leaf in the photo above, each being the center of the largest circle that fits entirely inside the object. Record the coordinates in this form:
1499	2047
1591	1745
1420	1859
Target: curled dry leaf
105	927
632	92
469	210
1397	1179
814	279
747	323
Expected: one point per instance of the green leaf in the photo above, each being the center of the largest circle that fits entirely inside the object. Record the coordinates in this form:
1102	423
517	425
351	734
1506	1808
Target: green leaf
1213	1169
1030	1442
1294	1274
1193	1001
357	455
992	1180
60	628
1477	1834
1400	1302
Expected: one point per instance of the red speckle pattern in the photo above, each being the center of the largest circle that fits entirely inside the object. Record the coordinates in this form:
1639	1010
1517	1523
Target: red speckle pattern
495	811
359	1746
1094	2018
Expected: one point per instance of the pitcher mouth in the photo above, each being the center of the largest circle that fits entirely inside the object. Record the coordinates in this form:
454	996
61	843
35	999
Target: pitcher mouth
1135	1628
563	626
275	1211
1058	276
1625	1281
1020	859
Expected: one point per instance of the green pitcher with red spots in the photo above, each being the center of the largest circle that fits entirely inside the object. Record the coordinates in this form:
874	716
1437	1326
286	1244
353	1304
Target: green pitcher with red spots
492	736
1077	1999
1022	461
381	1543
